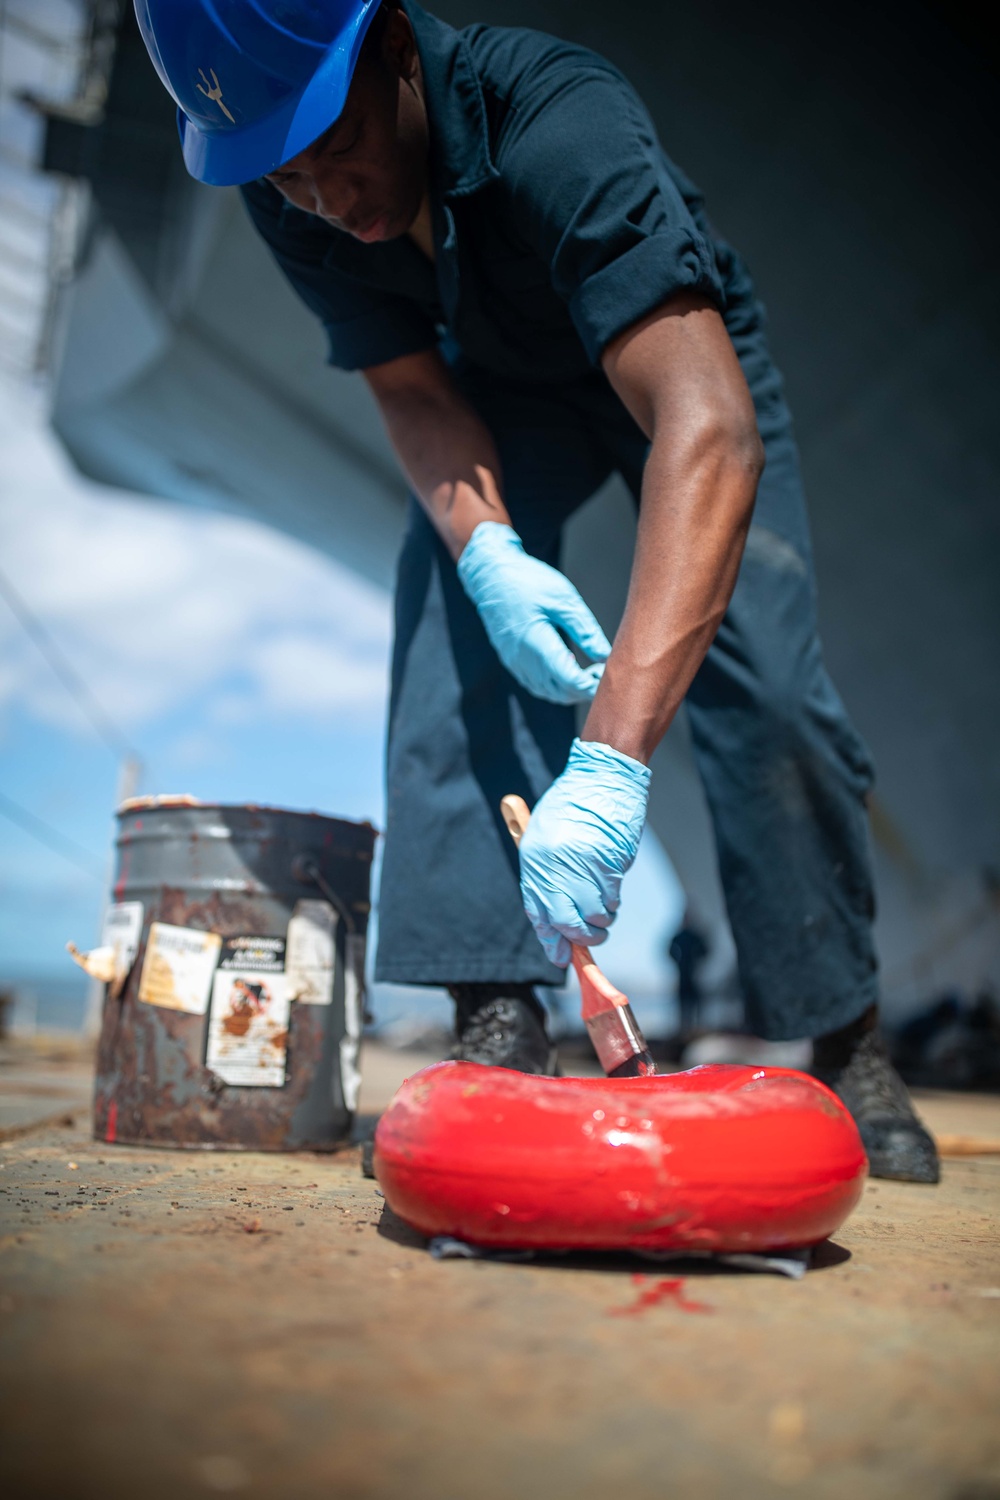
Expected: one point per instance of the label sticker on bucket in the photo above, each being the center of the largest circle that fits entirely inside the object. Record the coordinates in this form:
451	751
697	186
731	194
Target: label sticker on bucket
178	967
248	1028
264	955
121	932
311	952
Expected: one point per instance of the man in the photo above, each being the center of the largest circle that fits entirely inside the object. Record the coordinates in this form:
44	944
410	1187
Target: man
487	227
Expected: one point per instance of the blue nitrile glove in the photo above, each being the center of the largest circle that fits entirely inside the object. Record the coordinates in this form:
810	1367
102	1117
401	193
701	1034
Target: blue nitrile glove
520	602
581	839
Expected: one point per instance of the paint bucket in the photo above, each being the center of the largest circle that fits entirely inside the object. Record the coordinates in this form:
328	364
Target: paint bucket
234	1017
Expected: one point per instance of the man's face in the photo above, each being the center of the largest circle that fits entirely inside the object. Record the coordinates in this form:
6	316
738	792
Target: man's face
367	174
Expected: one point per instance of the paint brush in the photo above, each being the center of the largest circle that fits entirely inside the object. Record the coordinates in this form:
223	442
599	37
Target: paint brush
620	1045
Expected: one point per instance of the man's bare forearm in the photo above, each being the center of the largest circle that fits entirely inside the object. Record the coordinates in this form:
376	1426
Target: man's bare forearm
685	388
445	449
695	512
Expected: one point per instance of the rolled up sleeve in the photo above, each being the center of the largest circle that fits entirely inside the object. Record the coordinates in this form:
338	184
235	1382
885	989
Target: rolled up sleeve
364	325
375	330
592	190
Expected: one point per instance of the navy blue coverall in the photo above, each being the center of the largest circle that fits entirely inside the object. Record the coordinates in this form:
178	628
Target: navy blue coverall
558	222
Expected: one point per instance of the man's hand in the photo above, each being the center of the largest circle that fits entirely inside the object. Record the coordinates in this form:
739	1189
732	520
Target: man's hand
521	602
582	838
451	460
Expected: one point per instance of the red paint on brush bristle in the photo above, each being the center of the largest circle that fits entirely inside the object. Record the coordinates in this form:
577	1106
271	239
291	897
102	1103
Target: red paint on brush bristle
111	1129
619	1043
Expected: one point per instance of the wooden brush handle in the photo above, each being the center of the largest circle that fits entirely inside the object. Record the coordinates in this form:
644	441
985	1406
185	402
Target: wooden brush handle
619	1043
516	815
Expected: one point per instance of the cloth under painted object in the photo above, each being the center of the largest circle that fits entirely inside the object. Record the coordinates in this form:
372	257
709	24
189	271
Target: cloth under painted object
791	1263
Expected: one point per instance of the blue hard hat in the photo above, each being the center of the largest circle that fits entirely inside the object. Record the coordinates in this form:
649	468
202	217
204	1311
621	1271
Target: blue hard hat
256	81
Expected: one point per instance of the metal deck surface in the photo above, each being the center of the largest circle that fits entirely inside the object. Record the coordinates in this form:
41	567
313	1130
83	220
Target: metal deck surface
184	1323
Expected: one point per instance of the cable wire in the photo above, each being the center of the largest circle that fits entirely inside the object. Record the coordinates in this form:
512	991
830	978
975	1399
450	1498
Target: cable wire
100	721
51	838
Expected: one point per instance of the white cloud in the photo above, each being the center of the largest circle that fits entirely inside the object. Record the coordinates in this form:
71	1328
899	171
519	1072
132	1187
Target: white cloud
303	673
154	604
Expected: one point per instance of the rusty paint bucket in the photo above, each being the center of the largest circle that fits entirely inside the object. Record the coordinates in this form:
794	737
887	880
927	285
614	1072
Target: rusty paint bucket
234	1020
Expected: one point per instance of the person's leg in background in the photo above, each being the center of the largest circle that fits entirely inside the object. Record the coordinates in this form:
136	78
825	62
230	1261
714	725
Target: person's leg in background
462	734
786	776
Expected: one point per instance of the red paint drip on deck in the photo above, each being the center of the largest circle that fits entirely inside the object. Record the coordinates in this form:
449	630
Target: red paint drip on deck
664	1289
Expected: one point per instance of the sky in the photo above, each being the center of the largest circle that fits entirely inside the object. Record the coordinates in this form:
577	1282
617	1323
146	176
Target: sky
241	664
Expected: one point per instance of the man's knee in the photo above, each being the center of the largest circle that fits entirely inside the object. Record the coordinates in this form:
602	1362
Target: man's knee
762	710
799	718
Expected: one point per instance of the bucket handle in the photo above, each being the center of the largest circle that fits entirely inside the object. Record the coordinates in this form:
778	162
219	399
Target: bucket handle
306	870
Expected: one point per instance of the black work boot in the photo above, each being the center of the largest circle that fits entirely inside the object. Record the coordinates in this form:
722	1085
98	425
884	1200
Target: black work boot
502	1025
854	1063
